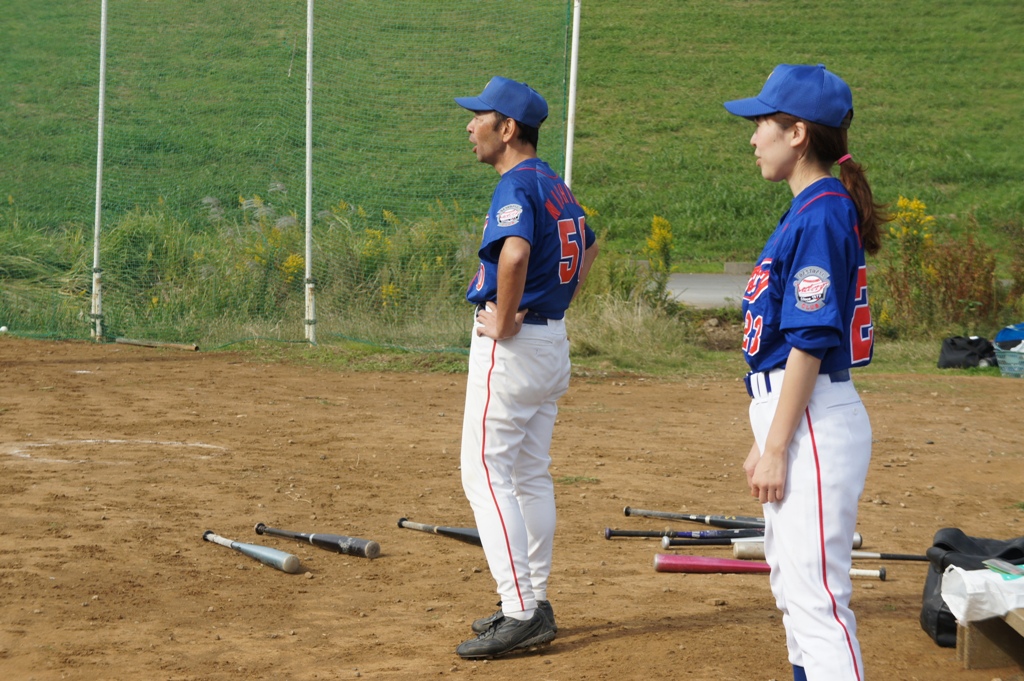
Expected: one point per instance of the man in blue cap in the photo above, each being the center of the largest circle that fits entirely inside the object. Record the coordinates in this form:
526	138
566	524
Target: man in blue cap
535	252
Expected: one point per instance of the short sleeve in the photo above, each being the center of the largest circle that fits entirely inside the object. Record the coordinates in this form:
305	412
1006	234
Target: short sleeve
512	214
812	304
588	236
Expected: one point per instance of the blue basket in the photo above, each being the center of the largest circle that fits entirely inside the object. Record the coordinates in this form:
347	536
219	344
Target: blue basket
1009	345
1010	363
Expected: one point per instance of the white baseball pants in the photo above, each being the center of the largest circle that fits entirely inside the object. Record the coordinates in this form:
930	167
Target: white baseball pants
809	534
511	403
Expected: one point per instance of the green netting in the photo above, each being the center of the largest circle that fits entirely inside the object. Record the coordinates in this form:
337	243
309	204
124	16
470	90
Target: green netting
203	209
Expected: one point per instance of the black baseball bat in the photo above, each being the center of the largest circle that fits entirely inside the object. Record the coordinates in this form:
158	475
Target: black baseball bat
470	535
695	534
285	562
725	521
338	543
890	556
749	550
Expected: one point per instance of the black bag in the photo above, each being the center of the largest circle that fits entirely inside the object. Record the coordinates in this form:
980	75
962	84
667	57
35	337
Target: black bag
952	547
962	351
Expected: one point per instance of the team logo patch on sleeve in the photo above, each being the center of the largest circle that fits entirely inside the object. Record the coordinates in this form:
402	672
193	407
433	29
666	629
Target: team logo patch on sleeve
811	284
509	215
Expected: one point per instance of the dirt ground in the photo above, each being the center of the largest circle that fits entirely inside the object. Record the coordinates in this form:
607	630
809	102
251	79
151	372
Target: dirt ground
114	459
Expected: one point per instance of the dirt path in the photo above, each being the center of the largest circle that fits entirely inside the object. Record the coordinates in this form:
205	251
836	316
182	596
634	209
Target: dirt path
114	460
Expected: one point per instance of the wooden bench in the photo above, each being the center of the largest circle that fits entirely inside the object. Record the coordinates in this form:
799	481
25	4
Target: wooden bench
995	642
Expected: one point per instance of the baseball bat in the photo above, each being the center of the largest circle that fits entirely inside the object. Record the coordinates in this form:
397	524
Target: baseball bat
157	344
754	551
754	540
703	565
470	535
338	543
695	534
724	521
671	543
285	562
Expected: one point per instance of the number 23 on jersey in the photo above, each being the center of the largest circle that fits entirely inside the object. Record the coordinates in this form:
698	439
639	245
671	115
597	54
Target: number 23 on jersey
861	336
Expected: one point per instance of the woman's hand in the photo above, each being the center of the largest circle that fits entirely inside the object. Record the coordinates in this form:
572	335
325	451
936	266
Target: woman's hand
750	464
768	481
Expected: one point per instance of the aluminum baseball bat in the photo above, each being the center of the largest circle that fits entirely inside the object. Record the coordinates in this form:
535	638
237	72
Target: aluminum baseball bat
750	544
470	535
705	565
285	562
725	521
753	551
694	534
338	543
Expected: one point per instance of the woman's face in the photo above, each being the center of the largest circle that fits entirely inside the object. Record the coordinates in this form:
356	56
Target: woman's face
774	149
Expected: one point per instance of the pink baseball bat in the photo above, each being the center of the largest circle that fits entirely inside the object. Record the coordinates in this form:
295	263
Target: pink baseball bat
664	562
670	562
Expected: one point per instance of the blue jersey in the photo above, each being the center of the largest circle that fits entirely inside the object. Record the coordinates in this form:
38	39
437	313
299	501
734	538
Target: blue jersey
809	288
531	201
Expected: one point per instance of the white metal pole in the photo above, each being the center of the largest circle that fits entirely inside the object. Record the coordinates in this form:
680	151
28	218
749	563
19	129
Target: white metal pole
570	128
96	314
310	283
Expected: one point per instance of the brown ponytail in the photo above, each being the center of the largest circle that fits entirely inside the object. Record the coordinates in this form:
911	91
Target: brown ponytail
870	214
828	145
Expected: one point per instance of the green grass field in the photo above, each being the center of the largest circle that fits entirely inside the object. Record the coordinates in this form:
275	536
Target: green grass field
208	103
938	89
938	95
207	99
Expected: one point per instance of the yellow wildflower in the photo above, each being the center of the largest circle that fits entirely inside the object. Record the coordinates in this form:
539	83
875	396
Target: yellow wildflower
659	244
292	266
388	294
376	245
274	238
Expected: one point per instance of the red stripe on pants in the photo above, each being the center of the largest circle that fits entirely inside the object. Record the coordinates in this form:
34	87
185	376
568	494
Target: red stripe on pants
483	461
821	539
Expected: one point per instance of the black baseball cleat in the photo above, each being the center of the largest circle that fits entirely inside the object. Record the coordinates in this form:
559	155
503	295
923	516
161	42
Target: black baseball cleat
507	635
480	626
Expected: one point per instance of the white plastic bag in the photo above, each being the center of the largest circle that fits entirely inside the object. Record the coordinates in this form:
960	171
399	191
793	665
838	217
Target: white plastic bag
980	594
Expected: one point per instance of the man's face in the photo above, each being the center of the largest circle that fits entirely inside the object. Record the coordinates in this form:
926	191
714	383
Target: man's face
487	141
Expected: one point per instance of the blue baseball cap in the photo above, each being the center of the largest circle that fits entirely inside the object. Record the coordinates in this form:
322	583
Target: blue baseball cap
518	101
809	92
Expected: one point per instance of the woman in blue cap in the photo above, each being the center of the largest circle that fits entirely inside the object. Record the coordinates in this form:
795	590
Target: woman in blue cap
806	323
